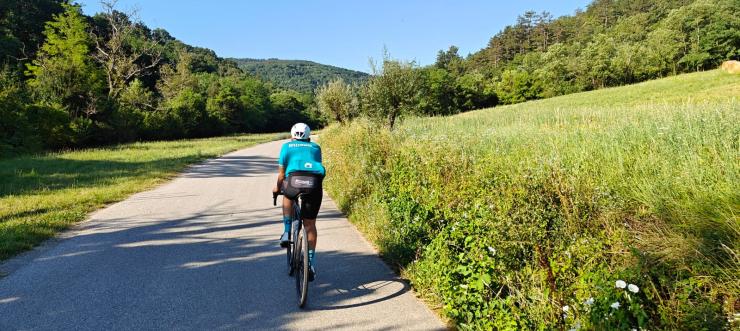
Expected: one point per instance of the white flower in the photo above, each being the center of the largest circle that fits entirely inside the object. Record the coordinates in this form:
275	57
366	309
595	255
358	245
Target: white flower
492	250
621	284
566	308
590	301
615	305
633	288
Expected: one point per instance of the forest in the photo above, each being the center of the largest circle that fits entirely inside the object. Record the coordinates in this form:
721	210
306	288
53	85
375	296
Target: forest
68	80
299	75
610	43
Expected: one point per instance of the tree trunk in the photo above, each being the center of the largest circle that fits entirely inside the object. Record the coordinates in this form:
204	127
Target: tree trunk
391	119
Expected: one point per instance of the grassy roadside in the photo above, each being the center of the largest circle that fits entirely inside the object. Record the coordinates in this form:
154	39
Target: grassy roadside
42	195
526	216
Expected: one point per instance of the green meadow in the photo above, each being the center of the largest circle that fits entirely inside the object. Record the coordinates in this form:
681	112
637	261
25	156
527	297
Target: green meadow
527	216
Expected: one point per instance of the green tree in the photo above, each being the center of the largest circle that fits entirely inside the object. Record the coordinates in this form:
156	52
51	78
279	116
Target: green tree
438	92
286	110
596	59
711	29
662	52
226	109
22	27
255	99
558	72
133	103
14	128
473	92
450	60
178	77
64	73
392	92
337	100
123	48
188	109
517	86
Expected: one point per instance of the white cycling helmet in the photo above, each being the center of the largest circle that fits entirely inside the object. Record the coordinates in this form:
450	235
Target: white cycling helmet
300	131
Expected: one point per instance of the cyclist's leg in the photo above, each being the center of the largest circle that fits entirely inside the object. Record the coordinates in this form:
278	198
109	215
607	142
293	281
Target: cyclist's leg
311	206
311	232
287	207
287	213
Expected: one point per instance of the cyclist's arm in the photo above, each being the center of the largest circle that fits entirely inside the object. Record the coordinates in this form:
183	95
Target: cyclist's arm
282	164
281	177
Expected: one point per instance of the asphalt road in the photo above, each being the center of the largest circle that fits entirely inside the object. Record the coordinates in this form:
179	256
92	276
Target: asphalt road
201	252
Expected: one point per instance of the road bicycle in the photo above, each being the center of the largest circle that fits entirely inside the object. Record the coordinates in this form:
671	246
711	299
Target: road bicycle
297	250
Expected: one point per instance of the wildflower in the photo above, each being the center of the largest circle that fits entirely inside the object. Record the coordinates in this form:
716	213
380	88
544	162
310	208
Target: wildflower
590	301
633	288
621	284
566	308
615	305
492	250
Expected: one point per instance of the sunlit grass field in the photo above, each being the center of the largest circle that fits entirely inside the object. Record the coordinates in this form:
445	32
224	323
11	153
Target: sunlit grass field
43	194
502	217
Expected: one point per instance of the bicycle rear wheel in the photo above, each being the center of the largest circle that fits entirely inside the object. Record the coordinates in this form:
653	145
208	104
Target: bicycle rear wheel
301	267
293	235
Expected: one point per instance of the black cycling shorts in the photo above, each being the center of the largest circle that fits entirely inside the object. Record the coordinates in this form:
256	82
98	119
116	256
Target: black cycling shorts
310	185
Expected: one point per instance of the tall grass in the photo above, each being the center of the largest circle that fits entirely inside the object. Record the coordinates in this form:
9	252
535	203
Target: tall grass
41	195
525	216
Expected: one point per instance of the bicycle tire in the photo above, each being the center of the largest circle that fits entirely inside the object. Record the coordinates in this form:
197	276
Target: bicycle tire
301	264
289	254
292	235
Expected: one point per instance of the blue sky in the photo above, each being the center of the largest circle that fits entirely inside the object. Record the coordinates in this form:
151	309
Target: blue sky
341	33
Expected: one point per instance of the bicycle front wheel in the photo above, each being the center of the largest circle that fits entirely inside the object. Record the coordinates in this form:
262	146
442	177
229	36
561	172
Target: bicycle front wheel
301	266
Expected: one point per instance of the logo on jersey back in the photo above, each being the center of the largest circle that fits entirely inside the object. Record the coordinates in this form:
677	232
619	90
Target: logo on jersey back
308	165
303	183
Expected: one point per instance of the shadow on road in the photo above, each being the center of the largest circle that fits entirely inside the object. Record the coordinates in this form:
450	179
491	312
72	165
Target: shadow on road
212	270
233	166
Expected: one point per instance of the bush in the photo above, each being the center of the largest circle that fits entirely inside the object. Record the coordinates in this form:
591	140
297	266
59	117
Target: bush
27	128
337	100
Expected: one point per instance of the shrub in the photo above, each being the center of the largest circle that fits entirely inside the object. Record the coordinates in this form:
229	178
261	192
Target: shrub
337	100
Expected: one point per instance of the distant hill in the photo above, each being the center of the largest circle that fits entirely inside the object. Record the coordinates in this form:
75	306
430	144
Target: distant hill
304	76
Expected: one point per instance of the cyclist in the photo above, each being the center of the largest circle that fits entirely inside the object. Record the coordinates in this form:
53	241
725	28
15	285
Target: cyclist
300	171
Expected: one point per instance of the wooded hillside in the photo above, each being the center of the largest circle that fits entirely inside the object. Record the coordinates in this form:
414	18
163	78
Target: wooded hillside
68	80
303	76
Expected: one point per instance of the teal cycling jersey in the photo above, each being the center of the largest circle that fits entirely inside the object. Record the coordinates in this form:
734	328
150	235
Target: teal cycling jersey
298	155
